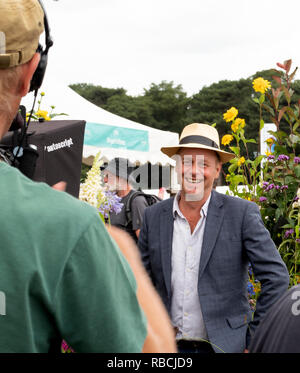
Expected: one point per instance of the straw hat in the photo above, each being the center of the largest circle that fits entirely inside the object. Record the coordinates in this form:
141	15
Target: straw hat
200	136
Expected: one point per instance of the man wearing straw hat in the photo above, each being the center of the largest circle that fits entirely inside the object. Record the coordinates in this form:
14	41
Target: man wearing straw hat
197	248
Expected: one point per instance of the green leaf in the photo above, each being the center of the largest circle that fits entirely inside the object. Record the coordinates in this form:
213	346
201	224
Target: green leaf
257	160
235	149
251	140
237	179
262	123
262	98
232	167
255	99
296	125
297	170
278	213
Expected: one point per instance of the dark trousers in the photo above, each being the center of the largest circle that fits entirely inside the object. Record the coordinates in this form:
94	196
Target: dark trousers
185	346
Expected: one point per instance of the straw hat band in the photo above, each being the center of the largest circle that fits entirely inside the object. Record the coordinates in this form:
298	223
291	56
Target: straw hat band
197	139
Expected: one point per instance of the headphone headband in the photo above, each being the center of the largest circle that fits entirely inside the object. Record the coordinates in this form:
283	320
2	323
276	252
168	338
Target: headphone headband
38	76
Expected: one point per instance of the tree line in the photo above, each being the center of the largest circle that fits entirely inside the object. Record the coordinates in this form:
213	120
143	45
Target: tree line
166	106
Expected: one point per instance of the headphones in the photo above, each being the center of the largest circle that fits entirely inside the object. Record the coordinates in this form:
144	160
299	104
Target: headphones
39	73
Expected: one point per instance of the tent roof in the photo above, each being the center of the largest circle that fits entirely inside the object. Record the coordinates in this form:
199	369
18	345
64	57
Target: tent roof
68	101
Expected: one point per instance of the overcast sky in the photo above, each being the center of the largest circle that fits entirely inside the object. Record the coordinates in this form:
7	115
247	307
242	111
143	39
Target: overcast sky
132	43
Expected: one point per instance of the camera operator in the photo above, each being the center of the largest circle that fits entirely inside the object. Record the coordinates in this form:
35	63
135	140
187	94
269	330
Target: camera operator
62	274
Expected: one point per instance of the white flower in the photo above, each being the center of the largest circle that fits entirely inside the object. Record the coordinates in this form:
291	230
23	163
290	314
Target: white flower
91	190
295	205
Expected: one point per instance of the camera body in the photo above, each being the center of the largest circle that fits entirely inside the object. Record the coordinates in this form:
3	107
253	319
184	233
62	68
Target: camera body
20	153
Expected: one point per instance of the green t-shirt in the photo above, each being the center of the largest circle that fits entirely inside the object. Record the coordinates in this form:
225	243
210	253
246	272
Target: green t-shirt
61	275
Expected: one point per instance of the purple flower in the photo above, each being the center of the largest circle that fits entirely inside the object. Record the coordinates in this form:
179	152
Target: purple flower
112	204
296	198
269	187
270	157
265	184
297	160
277	187
284	187
250	287
262	199
289	232
283	157
298	240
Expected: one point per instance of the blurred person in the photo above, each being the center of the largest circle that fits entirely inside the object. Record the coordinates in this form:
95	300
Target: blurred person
62	274
117	177
279	331
196	248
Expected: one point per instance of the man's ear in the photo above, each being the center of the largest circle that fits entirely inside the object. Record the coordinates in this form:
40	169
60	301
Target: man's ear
28	71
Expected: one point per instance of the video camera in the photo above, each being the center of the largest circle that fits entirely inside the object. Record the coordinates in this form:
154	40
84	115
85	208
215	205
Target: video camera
20	153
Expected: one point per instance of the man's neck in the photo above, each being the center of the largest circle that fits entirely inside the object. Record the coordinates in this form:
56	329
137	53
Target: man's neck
123	193
189	206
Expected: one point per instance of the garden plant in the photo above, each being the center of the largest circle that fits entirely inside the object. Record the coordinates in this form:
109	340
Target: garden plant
271	180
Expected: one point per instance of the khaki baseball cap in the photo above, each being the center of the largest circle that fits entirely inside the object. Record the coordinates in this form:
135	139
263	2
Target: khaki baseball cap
21	24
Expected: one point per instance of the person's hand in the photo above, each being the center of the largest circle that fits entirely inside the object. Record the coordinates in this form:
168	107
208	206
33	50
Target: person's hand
61	185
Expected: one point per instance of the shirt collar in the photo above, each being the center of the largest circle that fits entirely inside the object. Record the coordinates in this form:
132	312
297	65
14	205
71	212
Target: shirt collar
176	209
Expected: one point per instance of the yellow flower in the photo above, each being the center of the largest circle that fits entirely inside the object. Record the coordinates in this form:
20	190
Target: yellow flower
241	161
42	114
261	85
230	114
238	122
268	153
226	139
42	94
270	141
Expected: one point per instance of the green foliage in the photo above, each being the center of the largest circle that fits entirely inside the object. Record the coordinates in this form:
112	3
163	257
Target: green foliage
84	170
168	106
95	93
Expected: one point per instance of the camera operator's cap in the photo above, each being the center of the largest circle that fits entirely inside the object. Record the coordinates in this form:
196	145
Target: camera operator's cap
120	167
22	22
199	136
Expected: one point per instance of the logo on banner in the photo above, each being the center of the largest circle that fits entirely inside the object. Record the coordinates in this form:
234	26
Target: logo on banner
67	143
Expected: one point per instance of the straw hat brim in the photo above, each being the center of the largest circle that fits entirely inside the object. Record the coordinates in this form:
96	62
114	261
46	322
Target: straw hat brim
172	150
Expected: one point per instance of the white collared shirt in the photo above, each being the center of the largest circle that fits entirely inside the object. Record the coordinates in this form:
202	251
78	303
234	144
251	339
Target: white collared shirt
186	312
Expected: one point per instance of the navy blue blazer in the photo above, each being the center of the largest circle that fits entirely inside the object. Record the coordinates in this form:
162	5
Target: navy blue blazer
234	236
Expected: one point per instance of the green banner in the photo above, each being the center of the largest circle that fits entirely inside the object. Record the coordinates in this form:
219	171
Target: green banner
105	136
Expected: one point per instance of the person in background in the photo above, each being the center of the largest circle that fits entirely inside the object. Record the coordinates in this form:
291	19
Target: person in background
62	274
197	246
117	177
279	330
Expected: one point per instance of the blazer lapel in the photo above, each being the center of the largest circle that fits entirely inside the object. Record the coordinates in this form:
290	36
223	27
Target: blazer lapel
166	239
215	215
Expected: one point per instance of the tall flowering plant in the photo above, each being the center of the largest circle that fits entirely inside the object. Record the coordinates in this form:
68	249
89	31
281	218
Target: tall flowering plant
93	192
271	180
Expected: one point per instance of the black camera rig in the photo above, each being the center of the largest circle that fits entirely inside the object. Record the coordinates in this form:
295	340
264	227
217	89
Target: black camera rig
20	153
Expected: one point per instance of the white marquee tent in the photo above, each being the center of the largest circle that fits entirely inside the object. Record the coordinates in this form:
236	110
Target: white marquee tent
113	135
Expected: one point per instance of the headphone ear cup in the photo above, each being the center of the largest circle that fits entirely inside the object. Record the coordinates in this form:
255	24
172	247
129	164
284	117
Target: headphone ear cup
39	73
